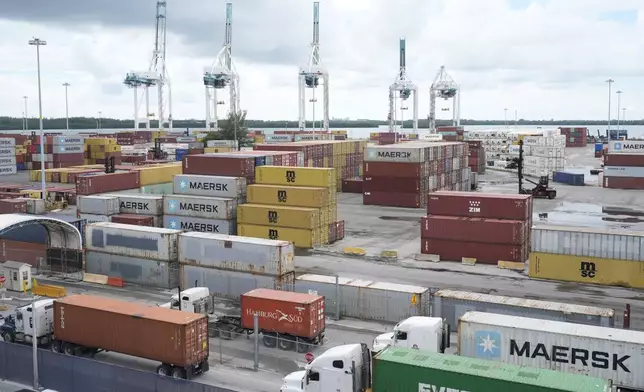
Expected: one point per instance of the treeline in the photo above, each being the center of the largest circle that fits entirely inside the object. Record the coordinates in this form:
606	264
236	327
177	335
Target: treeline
13	123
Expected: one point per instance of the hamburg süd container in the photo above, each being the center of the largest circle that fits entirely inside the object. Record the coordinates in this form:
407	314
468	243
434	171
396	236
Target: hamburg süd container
284	312
150	332
200	207
140	204
607	353
291	196
213	186
244	254
484	253
398	369
274	215
480	205
186	223
134	241
135	270
301	238
98	205
297	176
492	231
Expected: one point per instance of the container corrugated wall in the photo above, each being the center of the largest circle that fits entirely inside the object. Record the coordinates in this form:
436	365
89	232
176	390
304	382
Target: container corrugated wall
145	272
146	242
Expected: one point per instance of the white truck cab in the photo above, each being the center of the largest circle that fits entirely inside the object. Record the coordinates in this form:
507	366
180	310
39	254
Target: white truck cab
342	368
19	327
423	333
193	300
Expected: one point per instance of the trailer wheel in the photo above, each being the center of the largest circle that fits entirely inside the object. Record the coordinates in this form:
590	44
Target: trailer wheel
269	341
286	343
7	337
177	372
303	347
56	347
69	349
163	370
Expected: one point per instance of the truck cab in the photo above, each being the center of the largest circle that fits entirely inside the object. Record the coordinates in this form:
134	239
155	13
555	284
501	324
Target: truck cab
192	300
344	368
422	333
19	327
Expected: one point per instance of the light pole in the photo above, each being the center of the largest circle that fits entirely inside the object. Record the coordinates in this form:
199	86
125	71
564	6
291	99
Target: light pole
619	104
26	114
624	115
66	106
98	121
37	42
505	120
610	85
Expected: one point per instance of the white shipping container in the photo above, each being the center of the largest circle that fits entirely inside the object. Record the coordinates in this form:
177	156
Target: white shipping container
607	353
278	138
7	161
135	241
140	204
431	137
7	142
8	170
93	218
187	223
98	205
413	153
35	206
221	143
589	242
9	152
68	140
245	254
200	207
626	146
213	186
186	139
624	171
548	152
68	149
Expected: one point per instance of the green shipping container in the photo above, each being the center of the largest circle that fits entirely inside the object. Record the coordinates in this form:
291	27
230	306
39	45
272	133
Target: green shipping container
406	370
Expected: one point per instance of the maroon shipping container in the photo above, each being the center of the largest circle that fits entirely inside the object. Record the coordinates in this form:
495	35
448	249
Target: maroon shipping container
339	235
133	219
394	169
623	160
25	252
480	205
352	185
92	184
482	252
164	335
492	231
395	199
284	312
13	206
623	183
395	184
213	165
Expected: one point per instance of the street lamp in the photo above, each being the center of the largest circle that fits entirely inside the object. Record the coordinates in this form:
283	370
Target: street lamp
505	121
624	115
98	121
66	106
619	103
26	114
610	85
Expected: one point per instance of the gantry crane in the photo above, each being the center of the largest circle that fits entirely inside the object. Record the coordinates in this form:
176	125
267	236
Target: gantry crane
220	75
444	87
310	78
402	88
156	75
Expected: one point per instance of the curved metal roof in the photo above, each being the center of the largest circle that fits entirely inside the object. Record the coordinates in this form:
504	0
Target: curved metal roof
61	234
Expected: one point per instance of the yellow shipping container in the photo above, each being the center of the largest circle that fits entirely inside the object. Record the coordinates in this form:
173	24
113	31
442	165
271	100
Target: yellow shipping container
158	174
34	175
272	215
292	196
100	141
339	132
597	270
301	238
302	176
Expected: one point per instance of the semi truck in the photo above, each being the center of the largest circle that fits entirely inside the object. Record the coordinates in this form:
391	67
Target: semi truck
350	368
423	333
19	326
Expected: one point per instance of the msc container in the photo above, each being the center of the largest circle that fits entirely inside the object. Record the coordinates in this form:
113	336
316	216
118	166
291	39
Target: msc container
36	206
568	178
98	205
231	284
200	207
93	218
185	223
150	332
589	242
254	255
624	171
452	305
480	205
301	238
213	186
624	160
626	146
368	300
284	312
607	353
398	369
484	253
267	215
492	231
128	240
301	176
101	183
145	272
292	196
132	219
140	204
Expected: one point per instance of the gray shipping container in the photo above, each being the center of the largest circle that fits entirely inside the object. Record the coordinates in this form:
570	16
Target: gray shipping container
213	186
231	284
68	140
134	241
8	161
145	272
186	223
452	305
7	142
11	152
7	170
98	205
141	204
368	300
624	171
200	207
68	149
93	218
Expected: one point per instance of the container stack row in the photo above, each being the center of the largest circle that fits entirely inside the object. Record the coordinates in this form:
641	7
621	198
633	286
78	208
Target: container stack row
542	155
575	137
135	209
401	175
98	150
60	151
624	165
8	163
478	227
476	156
297	204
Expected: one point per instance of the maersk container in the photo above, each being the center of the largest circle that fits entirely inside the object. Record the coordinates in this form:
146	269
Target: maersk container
398	369
568	178
145	272
98	205
607	353
231	284
134	241
141	204
452	305
589	242
244	254
200	207
93	218
186	223
212	186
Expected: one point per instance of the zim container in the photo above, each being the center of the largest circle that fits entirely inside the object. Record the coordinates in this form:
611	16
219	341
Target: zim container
480	205
491	231
484	253
298	176
291	196
301	238
284	312
268	215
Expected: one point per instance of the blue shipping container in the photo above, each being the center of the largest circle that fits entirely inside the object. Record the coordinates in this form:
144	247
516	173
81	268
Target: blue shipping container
180	153
599	147
21	166
568	178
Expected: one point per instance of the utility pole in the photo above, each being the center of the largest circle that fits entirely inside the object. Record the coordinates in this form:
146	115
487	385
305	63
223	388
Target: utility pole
610	85
38	43
66	106
26	114
505	121
619	104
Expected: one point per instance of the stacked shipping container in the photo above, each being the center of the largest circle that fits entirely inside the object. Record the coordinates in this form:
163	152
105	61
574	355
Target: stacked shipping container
100	149
8	156
97	208
542	155
485	227
624	165
476	156
575	137
400	175
60	151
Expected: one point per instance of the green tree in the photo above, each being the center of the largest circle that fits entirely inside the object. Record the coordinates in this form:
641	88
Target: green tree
233	128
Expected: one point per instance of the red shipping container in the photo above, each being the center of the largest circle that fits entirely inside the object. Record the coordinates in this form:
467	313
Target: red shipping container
482	252
395	169
397	184
212	165
133	219
623	160
352	185
480	205
284	312
493	231
339	235
13	206
623	182
101	183
394	199
26	252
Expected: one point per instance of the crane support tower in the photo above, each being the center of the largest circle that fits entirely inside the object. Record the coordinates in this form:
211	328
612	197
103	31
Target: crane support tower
402	89
156	75
309	78
221	75
444	87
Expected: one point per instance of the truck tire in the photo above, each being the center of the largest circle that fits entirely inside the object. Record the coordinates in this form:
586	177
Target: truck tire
303	347
7	337
69	349
57	347
178	372
285	343
269	341
163	370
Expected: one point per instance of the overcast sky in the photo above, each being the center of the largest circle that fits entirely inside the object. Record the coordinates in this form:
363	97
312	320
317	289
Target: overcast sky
544	58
